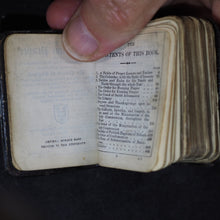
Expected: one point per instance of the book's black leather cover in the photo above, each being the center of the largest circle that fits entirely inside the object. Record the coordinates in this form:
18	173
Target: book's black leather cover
217	45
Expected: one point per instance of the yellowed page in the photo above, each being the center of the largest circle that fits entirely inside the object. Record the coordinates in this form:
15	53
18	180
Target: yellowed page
51	102
174	24
132	87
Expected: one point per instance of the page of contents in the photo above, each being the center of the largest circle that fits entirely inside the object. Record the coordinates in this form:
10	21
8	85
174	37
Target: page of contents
51	102
130	91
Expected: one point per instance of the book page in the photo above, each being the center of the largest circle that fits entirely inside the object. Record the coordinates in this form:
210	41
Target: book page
51	103
131	90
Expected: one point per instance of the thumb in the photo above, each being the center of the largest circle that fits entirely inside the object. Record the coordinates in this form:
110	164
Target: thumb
100	26
215	10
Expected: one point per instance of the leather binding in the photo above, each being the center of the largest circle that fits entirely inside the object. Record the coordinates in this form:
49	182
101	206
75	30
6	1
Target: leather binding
217	45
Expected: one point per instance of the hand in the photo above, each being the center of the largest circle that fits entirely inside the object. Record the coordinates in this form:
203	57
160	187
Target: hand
94	28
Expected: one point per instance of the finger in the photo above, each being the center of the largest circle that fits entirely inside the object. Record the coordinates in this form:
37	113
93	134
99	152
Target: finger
216	10
100	26
60	12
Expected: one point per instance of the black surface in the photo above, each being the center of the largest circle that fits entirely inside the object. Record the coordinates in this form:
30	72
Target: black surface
182	191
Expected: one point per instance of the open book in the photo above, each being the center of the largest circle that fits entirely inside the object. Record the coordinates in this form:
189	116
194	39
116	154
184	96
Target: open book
150	103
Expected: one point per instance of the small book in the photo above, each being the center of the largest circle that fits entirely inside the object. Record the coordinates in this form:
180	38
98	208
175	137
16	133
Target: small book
148	104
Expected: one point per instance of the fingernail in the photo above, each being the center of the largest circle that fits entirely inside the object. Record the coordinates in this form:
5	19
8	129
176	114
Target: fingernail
78	41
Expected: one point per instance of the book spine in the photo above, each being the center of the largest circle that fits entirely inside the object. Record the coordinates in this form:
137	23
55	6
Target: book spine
217	33
4	150
217	45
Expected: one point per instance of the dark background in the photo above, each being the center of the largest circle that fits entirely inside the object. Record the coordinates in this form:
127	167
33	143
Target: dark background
181	191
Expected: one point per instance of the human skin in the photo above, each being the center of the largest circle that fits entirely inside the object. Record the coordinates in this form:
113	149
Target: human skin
94	28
